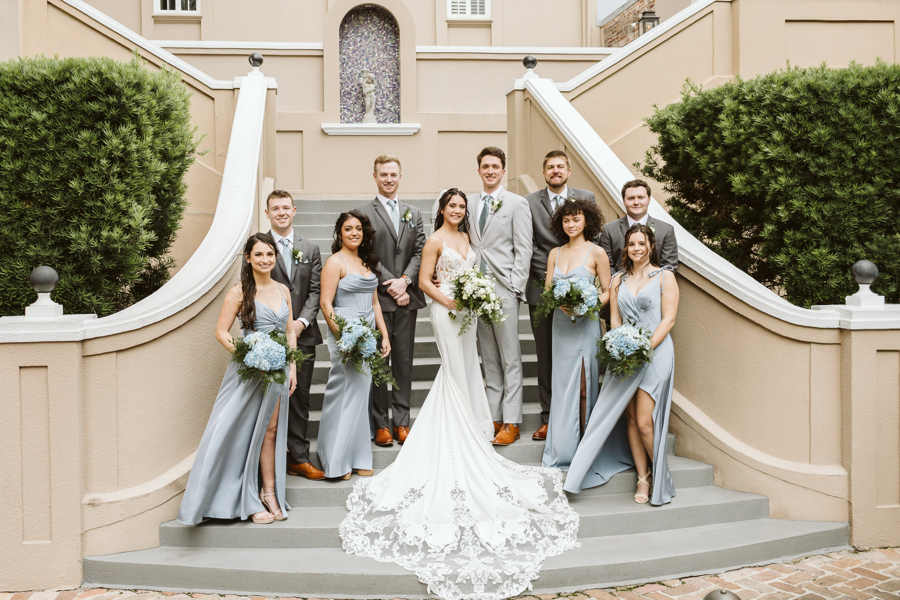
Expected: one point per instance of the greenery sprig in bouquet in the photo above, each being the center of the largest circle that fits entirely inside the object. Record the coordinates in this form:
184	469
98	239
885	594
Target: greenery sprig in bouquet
476	299
264	356
358	343
578	294
624	349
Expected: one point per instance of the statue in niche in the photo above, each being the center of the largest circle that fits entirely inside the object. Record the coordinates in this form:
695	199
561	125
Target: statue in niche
367	81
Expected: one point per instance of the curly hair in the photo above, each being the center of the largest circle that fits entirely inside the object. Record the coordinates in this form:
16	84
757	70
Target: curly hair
442	203
366	248
247	308
593	218
627	263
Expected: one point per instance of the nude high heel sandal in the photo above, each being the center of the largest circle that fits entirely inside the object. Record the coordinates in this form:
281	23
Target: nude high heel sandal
280	516
647	478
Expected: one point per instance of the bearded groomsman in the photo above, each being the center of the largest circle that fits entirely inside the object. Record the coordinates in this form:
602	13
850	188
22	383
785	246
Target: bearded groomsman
299	268
399	238
543	203
636	197
500	230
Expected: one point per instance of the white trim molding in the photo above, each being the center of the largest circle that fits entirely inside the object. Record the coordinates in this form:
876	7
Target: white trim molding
371	128
237	45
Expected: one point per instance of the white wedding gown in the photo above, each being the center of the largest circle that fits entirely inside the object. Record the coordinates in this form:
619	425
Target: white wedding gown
468	522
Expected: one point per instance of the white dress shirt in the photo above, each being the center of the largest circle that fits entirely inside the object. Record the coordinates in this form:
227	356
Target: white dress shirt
384	201
280	246
564	194
642	221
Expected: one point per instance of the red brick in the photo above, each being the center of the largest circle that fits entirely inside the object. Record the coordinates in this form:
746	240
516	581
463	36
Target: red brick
599	594
818	589
892	585
650	587
880	594
629	596
766	575
810	596
869	573
68	595
682	590
798	577
891	553
752	584
89	593
780	568
775	596
861	583
721	583
853	593
784	587
830	580
846	563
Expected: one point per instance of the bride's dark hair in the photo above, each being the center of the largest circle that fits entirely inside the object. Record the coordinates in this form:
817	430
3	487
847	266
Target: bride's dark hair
247	309
627	263
444	201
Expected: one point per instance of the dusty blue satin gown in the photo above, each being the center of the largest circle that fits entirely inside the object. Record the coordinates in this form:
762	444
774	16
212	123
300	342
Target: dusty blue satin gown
574	347
344	441
224	482
604	449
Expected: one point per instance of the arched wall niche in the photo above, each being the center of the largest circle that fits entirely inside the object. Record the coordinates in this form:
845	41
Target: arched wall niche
338	13
369	40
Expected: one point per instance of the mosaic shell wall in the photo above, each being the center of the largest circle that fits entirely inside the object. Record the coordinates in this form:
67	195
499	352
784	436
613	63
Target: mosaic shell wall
370	39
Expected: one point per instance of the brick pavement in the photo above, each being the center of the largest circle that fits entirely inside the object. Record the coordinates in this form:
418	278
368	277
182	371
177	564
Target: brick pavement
847	575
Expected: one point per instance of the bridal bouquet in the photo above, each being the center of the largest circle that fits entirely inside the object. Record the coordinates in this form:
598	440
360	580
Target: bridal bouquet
264	356
358	343
475	297
578	294
624	349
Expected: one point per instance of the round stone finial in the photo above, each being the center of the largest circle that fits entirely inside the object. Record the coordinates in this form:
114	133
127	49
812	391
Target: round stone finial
256	59
721	595
529	61
44	279
864	272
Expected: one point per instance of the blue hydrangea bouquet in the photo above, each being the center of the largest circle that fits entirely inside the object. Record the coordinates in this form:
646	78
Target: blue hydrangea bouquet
624	349
265	356
577	294
358	343
476	299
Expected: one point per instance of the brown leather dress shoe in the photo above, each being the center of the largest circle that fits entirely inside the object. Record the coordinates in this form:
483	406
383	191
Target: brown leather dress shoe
383	437
541	434
400	433
507	435
497	427
306	469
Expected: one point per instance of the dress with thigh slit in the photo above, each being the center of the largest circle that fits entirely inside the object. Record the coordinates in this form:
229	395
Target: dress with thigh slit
604	449
224	481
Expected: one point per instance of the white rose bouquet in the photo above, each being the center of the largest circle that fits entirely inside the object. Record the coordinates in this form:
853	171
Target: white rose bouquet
475	297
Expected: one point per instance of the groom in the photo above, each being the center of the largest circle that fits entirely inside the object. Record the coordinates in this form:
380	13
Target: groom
299	268
501	235
399	238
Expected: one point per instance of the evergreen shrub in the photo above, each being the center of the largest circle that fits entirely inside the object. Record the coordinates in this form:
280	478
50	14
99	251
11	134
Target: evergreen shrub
93	154
791	176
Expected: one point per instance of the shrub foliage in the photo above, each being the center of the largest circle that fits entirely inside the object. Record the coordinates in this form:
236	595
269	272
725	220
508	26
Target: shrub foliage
93	154
792	176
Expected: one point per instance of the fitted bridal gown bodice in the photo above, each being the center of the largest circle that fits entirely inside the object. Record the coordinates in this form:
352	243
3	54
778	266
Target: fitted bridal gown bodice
470	523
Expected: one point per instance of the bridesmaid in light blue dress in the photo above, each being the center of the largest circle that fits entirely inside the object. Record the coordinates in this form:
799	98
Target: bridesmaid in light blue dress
247	431
646	295
349	289
575	379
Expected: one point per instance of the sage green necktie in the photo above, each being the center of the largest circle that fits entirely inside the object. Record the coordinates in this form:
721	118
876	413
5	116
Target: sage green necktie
395	215
286	256
485	209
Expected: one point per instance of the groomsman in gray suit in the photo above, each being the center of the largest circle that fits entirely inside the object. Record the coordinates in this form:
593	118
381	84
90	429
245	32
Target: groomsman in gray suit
399	238
543	203
500	230
300	268
636	197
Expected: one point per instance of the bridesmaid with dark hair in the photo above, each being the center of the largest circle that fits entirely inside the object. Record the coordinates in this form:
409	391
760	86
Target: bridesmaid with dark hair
349	289
247	431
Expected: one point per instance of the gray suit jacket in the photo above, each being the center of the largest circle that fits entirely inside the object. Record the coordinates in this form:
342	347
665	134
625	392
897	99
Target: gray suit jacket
544	239
398	255
304	286
506	244
612	239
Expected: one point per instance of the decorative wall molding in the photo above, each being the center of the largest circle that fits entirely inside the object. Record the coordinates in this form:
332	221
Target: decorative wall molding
371	128
314	46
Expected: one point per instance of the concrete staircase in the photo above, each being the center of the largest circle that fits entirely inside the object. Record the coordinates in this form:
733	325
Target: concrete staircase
705	529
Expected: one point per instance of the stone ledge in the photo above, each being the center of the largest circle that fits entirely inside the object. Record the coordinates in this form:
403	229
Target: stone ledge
371	128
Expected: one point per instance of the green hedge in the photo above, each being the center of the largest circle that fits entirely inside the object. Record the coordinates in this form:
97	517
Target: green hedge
792	176
93	154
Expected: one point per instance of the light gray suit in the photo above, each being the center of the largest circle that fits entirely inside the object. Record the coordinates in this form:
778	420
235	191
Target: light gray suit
544	241
506	247
612	240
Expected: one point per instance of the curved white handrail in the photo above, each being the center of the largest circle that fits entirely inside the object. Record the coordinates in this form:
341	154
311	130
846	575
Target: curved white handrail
612	174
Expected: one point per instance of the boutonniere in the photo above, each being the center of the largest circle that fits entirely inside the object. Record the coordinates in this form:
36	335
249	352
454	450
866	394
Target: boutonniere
496	204
298	256
407	218
652	228
571	198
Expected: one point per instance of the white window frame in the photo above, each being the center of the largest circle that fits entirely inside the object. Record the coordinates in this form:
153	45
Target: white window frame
174	11
451	16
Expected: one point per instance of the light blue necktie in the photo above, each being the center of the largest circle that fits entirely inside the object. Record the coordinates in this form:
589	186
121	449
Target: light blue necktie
557	202
286	256
482	219
395	215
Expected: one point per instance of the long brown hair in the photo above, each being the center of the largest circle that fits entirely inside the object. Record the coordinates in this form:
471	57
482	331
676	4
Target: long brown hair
366	248
247	309
444	201
627	263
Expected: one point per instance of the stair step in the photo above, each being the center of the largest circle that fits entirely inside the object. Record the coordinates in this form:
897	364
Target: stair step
425	346
606	515
330	572
687	473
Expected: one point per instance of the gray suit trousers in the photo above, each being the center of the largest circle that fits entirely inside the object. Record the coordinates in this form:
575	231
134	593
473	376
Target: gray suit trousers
298	415
501	357
401	328
543	339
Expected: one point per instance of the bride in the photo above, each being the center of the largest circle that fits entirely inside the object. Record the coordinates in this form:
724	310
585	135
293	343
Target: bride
468	522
